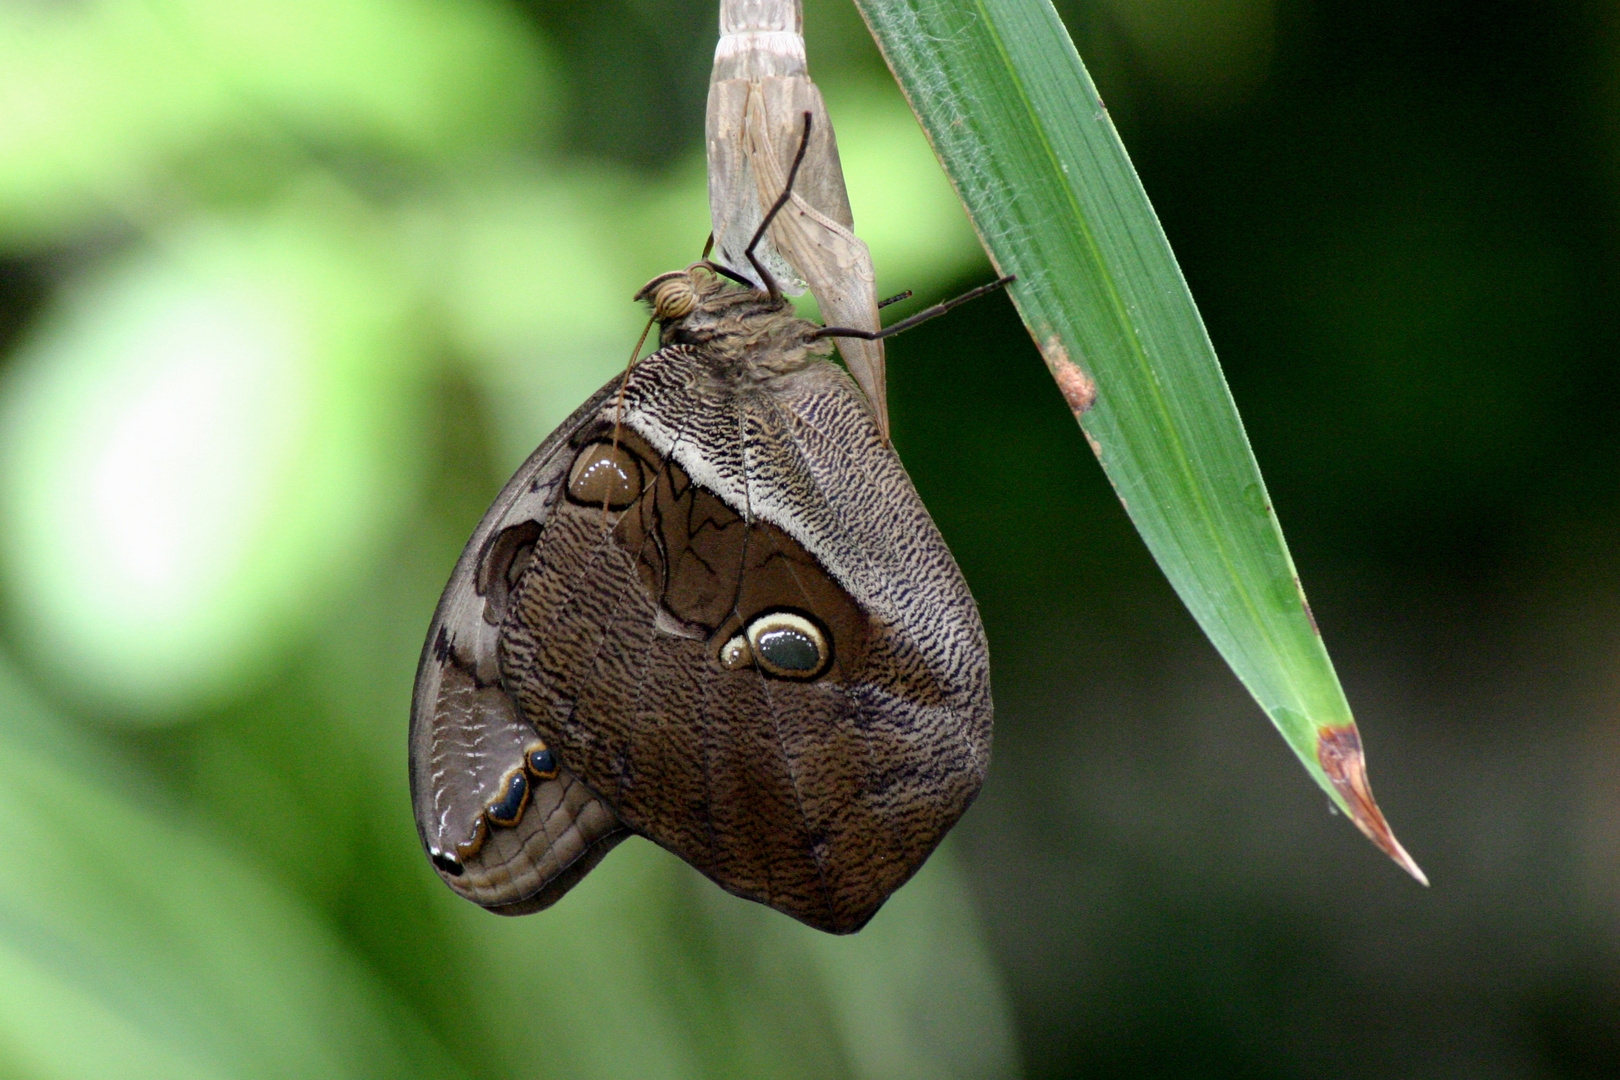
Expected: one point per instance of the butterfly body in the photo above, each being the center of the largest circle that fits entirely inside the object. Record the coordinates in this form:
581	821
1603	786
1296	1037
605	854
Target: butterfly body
711	610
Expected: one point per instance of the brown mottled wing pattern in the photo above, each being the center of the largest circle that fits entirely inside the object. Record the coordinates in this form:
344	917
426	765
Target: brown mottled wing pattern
726	503
467	737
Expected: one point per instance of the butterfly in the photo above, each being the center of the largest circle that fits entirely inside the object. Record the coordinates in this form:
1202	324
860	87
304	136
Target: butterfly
710	610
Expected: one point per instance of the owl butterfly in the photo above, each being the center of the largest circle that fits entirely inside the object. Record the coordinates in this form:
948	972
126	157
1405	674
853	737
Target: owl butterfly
710	609
759	89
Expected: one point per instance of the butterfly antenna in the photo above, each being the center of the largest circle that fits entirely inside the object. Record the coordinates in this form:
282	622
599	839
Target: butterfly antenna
907	323
776	207
640	341
618	402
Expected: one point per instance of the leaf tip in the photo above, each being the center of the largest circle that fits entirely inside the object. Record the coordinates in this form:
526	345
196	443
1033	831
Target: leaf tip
1338	749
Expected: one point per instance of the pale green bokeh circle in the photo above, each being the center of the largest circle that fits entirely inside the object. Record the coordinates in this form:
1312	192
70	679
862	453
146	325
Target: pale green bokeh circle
195	441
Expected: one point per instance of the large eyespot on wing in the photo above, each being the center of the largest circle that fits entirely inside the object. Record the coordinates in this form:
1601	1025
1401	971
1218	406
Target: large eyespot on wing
780	644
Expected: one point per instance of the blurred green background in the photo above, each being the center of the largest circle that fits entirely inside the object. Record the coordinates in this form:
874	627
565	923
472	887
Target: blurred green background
287	291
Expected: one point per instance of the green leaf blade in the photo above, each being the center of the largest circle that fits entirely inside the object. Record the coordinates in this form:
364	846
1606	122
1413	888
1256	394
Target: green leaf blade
1020	129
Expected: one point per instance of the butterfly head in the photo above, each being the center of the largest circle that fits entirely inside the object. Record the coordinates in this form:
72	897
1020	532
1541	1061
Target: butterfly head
673	295
738	326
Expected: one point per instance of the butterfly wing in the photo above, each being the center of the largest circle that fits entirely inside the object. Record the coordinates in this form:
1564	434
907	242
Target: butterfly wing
775	669
471	750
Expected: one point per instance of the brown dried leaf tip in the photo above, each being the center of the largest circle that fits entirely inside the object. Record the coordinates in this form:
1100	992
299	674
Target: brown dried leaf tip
1339	751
